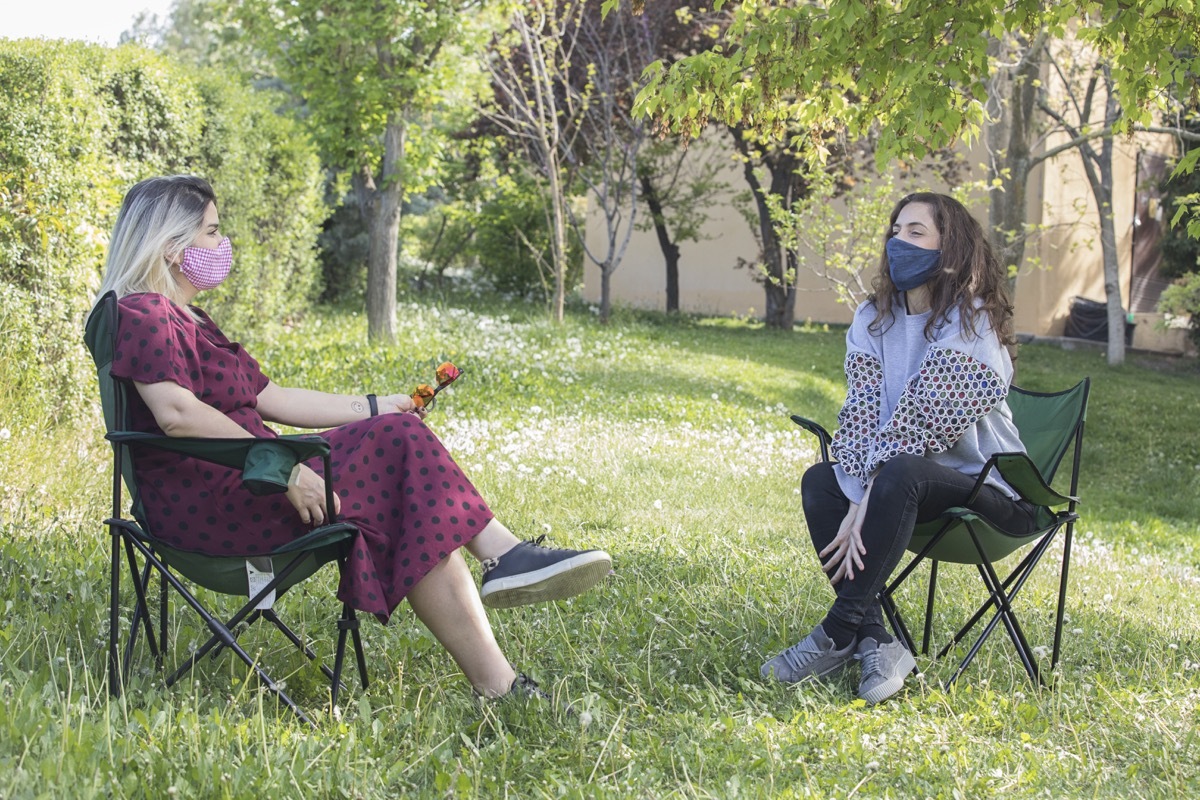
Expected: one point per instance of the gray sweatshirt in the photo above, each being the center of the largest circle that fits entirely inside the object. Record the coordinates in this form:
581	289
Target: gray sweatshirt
942	399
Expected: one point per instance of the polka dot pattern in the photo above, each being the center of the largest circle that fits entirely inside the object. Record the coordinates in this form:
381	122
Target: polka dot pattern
384	468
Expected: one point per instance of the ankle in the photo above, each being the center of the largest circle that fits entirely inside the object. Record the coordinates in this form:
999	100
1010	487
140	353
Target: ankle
842	633
876	632
494	541
496	685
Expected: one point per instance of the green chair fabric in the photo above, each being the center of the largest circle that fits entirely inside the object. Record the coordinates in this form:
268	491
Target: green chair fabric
1050	424
266	465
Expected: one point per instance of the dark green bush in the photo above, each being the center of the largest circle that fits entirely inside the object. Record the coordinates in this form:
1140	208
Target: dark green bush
507	224
345	247
1181	253
82	123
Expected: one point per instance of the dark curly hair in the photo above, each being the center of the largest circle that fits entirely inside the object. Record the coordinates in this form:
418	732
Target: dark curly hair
969	271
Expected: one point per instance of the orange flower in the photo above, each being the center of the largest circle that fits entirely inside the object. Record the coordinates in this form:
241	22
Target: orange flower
423	396
446	373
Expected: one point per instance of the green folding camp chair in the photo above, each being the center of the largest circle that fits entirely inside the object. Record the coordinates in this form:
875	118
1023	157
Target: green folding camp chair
1049	425
266	464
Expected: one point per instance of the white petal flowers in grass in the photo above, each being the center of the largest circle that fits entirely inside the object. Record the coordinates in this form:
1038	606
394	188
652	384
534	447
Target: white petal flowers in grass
546	446
664	441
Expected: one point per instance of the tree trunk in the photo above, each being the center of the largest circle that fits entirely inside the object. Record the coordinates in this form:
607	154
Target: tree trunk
1108	232
606	271
1112	269
1011	163
560	240
670	250
383	232
779	283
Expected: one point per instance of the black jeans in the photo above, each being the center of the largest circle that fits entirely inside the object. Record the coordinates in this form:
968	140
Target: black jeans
907	490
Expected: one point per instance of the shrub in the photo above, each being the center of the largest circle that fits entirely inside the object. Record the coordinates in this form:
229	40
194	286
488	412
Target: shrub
79	125
1182	299
512	244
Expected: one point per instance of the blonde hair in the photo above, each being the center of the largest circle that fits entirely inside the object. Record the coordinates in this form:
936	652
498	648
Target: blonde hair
159	217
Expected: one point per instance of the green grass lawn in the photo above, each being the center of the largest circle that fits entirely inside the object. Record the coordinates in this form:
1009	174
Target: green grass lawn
667	442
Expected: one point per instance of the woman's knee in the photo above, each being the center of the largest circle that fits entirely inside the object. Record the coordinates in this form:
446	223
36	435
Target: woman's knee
898	474
818	479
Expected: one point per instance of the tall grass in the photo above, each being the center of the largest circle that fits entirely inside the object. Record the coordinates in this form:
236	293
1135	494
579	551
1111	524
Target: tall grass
667	442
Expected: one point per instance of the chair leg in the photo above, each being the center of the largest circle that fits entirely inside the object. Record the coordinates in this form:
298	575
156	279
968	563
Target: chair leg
933	570
142	613
114	633
1004	613
1014	626
346	623
1012	585
1062	593
896	621
359	655
162	619
137	621
223	634
270	616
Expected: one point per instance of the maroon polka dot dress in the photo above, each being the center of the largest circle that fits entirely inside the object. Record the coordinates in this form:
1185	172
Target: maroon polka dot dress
410	502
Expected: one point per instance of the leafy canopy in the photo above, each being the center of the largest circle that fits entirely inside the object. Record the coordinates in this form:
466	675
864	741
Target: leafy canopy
359	63
910	71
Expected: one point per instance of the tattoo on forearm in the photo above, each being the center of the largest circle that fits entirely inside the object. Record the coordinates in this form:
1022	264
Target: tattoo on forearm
358	407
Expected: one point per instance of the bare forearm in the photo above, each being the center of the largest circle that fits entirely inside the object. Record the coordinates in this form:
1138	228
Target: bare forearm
305	408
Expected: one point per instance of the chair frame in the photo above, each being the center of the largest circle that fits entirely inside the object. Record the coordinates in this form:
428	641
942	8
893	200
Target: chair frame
133	539
1001	593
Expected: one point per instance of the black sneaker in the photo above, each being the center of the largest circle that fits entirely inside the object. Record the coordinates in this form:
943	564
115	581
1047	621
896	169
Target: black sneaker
526	690
530	573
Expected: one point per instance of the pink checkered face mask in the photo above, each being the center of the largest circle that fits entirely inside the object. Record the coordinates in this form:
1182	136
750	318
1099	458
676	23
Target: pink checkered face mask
207	267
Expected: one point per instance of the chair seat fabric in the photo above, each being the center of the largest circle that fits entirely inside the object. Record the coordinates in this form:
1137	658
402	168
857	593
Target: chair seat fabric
956	547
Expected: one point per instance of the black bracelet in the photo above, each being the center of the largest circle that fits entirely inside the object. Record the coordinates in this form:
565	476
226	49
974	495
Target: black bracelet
373	404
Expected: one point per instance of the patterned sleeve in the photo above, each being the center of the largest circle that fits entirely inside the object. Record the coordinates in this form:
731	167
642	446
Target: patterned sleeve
858	420
950	392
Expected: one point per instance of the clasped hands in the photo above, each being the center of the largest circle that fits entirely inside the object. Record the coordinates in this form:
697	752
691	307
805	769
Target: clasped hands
846	550
306	489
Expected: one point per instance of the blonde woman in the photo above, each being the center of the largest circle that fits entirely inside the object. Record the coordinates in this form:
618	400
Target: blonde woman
413	506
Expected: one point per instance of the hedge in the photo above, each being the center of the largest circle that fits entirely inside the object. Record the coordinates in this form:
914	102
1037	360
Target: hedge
79	125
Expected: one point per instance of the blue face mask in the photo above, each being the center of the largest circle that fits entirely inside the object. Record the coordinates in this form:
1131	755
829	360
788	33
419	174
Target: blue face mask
909	265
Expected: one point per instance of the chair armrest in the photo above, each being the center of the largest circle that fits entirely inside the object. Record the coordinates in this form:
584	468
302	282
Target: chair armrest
1022	474
265	464
817	430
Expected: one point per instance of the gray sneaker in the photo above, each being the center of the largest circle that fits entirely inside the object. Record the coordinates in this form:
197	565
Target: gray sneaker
813	657
884	668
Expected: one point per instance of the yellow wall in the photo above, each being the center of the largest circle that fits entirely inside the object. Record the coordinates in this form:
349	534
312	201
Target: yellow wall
1064	261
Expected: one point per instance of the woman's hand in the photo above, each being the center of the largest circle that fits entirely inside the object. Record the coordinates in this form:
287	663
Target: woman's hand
847	548
306	491
400	403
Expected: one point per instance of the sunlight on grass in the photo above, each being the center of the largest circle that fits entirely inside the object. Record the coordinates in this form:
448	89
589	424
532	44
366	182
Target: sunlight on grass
668	443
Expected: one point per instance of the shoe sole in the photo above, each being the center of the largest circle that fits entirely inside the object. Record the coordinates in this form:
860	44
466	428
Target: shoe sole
893	684
558	581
